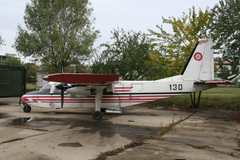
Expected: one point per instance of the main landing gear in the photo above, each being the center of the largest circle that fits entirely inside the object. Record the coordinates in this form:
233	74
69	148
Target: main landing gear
97	114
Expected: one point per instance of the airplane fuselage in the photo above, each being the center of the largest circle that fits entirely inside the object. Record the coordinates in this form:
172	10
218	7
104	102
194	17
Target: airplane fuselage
119	94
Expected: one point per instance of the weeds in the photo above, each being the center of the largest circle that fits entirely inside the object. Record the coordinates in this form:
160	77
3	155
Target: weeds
170	127
114	152
199	146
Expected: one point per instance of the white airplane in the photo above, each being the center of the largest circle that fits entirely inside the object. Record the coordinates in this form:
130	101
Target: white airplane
106	92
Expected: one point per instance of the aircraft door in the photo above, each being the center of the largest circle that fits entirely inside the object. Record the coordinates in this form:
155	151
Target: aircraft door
46	96
51	93
136	88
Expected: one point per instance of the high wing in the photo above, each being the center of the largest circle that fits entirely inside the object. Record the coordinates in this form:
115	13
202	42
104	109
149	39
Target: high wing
81	78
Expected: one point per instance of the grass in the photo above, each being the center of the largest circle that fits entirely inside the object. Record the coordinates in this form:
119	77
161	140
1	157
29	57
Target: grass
31	86
216	98
114	152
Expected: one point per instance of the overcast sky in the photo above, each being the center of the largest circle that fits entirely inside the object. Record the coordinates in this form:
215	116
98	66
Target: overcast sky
137	15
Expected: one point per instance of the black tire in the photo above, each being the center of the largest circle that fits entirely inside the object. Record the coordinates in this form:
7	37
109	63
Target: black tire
97	115
26	108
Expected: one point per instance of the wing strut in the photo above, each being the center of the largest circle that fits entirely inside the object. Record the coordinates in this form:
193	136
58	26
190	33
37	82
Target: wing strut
195	104
97	114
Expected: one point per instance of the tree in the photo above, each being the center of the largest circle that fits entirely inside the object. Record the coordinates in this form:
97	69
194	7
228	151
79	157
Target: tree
225	31
1	41
13	62
58	32
179	44
31	69
126	56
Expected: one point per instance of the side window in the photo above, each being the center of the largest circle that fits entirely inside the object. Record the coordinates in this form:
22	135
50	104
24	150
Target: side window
46	88
58	91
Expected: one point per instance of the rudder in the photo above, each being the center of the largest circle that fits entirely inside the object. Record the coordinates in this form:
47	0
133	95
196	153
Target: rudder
200	65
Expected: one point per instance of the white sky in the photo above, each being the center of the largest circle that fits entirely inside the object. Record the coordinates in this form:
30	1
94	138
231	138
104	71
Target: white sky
137	15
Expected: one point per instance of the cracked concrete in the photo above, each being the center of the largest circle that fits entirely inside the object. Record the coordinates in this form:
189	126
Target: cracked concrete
210	135
51	134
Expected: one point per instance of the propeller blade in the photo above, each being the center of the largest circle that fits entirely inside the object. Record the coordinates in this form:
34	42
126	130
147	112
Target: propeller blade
63	87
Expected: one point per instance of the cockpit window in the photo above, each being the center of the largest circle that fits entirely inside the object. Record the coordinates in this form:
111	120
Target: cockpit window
46	88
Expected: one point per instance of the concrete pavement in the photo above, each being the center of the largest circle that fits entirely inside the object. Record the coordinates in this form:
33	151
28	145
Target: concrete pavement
206	135
64	134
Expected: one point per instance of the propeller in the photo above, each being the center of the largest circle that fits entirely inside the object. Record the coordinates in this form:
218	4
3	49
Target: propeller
62	87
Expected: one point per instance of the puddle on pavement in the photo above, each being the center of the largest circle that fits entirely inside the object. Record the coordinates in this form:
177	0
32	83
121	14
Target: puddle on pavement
108	129
72	144
104	128
19	121
2	115
182	140
38	122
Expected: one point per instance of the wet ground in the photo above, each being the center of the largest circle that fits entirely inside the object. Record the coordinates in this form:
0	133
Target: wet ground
72	133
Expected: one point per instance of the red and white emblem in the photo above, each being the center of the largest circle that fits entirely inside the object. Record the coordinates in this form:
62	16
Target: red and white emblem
198	56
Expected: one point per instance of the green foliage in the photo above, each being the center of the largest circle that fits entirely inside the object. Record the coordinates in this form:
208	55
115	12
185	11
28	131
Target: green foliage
13	62
126	56
58	32
225	29
158	64
31	69
179	44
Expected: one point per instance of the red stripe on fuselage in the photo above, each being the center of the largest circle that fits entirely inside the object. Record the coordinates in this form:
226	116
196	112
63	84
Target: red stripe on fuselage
91	99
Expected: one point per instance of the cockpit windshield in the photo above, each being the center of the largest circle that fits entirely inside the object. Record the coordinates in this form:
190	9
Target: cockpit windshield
46	88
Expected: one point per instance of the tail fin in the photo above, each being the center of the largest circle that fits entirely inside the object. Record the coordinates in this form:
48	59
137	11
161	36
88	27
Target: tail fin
200	65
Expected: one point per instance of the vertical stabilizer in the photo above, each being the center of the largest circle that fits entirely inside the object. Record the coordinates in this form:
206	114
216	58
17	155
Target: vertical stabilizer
200	65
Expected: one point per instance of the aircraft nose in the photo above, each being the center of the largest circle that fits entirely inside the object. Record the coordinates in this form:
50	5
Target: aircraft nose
23	98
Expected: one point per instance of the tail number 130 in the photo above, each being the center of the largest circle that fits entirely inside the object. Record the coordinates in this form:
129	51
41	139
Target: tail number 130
175	87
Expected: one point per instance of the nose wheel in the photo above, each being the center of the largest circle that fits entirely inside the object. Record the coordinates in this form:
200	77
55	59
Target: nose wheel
26	108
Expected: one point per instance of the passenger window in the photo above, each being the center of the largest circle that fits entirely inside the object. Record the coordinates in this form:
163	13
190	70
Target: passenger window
57	90
108	89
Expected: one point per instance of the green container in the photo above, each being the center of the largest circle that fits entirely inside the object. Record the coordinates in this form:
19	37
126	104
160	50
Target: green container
12	81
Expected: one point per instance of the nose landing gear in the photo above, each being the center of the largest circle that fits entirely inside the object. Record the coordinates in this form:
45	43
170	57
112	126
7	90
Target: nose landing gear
26	108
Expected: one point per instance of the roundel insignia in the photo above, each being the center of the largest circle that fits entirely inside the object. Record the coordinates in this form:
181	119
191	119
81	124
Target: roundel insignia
198	56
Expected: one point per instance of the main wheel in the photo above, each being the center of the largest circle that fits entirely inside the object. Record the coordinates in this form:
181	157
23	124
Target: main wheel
97	115
26	108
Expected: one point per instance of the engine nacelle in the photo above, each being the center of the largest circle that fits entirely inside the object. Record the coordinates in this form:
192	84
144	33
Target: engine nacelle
81	91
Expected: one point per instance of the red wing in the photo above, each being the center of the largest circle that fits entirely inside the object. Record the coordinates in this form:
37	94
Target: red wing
81	78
